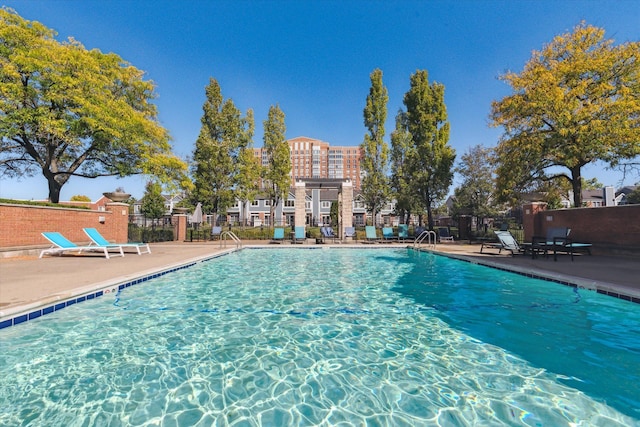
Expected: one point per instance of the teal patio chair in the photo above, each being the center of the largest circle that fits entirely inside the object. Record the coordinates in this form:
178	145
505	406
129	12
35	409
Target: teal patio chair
387	234
98	240
403	232
61	244
300	235
278	235
370	234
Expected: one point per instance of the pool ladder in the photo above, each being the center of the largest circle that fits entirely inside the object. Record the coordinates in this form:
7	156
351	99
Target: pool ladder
230	234
426	234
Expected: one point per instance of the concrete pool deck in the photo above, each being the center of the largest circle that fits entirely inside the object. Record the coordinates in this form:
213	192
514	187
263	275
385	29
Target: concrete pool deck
27	282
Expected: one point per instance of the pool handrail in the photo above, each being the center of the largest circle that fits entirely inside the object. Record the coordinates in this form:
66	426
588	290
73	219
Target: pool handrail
426	234
236	239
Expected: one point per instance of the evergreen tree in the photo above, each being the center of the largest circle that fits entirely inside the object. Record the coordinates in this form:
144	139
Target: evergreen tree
277	179
375	152
430	159
153	202
223	136
401	144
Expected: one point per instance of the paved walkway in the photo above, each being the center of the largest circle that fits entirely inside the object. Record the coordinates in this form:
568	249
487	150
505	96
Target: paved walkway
27	282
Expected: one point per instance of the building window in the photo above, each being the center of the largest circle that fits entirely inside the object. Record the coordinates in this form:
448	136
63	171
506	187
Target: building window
255	203
326	204
289	203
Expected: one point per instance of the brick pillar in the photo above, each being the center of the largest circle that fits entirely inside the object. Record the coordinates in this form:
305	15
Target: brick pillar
300	209
118	229
346	206
531	219
180	221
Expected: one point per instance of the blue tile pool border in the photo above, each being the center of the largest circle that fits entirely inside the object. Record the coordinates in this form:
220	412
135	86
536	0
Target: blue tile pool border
110	289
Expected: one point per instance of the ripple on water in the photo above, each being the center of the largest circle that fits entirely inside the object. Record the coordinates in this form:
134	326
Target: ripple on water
225	344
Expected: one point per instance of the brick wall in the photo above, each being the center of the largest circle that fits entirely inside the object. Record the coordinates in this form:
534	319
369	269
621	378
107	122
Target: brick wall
21	225
612	230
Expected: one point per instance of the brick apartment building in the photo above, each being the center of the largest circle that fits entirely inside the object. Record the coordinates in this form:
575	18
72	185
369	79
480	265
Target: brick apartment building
312	158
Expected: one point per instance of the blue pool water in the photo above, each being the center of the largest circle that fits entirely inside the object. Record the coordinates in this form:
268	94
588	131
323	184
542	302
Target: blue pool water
328	337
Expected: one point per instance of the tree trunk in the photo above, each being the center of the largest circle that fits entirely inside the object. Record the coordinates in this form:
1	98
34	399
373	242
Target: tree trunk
54	190
576	182
429	217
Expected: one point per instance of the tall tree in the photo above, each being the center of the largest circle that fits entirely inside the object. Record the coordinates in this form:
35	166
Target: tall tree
430	158
375	152
577	101
474	196
249	172
401	144
153	202
223	135
67	111
277	180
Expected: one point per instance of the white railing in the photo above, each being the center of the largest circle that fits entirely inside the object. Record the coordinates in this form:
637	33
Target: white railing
426	234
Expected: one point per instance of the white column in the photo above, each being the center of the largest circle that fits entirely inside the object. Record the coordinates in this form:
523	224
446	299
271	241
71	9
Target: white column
300	206
346	205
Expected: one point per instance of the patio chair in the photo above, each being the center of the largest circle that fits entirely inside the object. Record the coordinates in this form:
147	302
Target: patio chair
506	242
545	244
350	232
328	233
403	232
216	232
61	244
387	234
444	235
98	240
565	244
300	235
371	234
278	235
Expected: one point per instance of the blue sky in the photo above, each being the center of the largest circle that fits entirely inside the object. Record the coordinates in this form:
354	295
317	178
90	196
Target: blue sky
313	59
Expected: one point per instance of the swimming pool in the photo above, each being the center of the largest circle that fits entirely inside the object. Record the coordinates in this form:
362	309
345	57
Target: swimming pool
328	336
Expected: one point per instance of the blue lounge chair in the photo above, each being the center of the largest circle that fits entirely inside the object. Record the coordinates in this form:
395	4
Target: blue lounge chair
300	235
61	244
327	233
98	240
278	235
371	234
387	234
403	232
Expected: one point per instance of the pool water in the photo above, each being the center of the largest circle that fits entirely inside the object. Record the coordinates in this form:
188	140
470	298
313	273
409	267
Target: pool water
376	337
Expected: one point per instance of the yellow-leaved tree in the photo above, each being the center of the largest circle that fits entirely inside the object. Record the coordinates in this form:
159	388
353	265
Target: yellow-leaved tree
67	111
577	101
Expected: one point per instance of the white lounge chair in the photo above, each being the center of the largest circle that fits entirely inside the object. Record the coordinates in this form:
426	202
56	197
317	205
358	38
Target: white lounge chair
61	244
506	242
98	240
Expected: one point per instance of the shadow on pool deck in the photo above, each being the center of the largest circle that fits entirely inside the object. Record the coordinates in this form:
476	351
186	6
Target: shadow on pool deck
27	282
